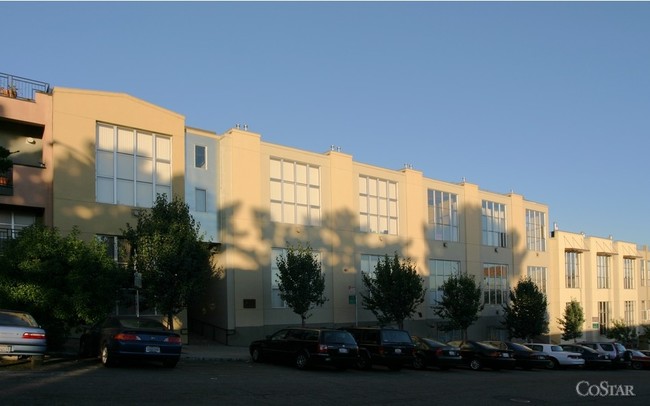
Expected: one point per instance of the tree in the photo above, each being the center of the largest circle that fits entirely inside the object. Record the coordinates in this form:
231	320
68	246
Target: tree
460	303
525	312
394	290
572	321
300	280
61	280
621	332
167	251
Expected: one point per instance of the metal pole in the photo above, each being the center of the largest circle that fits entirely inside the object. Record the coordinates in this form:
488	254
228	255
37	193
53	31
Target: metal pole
137	303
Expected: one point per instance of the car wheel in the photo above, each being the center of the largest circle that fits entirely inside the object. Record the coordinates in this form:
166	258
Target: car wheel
170	363
419	362
364	362
107	358
475	364
553	364
637	365
302	360
256	355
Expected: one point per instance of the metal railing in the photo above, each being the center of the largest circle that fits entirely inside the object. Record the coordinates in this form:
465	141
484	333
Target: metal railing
25	88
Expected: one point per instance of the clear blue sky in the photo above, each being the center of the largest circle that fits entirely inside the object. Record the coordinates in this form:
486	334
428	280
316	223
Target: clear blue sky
550	100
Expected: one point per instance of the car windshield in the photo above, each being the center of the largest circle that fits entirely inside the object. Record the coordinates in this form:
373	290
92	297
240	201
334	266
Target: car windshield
518	347
17	319
396	336
433	343
142	323
620	347
338	337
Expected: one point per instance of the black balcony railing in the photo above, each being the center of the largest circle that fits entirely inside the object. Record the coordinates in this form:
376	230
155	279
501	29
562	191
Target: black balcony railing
24	88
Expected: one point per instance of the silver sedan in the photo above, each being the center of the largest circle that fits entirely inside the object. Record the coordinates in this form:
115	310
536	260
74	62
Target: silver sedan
20	334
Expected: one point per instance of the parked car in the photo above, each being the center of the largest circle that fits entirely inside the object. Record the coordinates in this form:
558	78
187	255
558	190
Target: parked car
432	353
120	338
645	352
478	355
559	357
308	346
593	358
639	360
20	334
525	357
616	351
392	348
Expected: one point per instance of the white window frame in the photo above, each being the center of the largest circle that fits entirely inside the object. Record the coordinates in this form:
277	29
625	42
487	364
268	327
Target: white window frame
603	271
493	224
539	275
378	205
443	215
440	271
535	230
295	196
572	265
628	273
495	284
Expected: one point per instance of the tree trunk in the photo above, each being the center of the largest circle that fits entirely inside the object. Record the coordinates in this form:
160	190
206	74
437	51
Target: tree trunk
170	321
303	318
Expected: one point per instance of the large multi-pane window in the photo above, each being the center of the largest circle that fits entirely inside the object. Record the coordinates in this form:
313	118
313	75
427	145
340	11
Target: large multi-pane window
628	273
572	269
116	247
602	271
642	272
629	313
603	316
645	310
535	230
369	263
440	271
295	192
377	205
538	275
493	219
443	215
12	222
276	300
495	283
132	166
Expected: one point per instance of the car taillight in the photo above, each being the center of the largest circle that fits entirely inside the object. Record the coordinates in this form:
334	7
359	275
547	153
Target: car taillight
381	350
34	336
322	348
126	337
173	340
494	354
439	352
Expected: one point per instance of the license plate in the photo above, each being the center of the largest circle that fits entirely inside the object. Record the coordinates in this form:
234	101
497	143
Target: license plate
506	355
398	351
152	349
452	353
343	350
5	348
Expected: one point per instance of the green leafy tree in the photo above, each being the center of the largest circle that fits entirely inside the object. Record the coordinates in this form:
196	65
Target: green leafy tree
525	313
621	332
61	280
394	291
167	251
300	280
572	321
460	303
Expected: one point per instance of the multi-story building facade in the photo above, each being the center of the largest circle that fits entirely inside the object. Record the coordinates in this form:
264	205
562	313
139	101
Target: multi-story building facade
104	156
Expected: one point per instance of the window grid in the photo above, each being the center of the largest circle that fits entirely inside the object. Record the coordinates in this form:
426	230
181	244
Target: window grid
645	310
117	248
629	313
378	206
642	272
603	317
276	300
572	269
628	273
443	215
295	192
538	275
602	271
494	224
440	271
495	283
536	230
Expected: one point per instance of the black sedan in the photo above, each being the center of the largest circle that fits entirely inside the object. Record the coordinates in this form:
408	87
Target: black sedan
128	337
478	355
433	353
593	358
525	357
640	360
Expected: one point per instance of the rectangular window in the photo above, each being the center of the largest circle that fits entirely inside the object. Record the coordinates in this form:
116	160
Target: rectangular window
645	310
131	166
495	284
603	316
493	219
535	230
276	300
369	263
295	193
116	247
538	275
201	199
200	157
440	271
628	273
602	271
629	313
377	205
642	272
443	215
572	269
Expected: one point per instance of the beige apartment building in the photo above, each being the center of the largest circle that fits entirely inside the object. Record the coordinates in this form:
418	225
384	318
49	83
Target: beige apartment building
106	156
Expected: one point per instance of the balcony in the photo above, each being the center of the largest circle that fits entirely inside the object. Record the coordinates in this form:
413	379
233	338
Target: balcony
17	87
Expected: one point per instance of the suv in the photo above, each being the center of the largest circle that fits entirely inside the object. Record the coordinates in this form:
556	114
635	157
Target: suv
620	357
308	346
383	346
